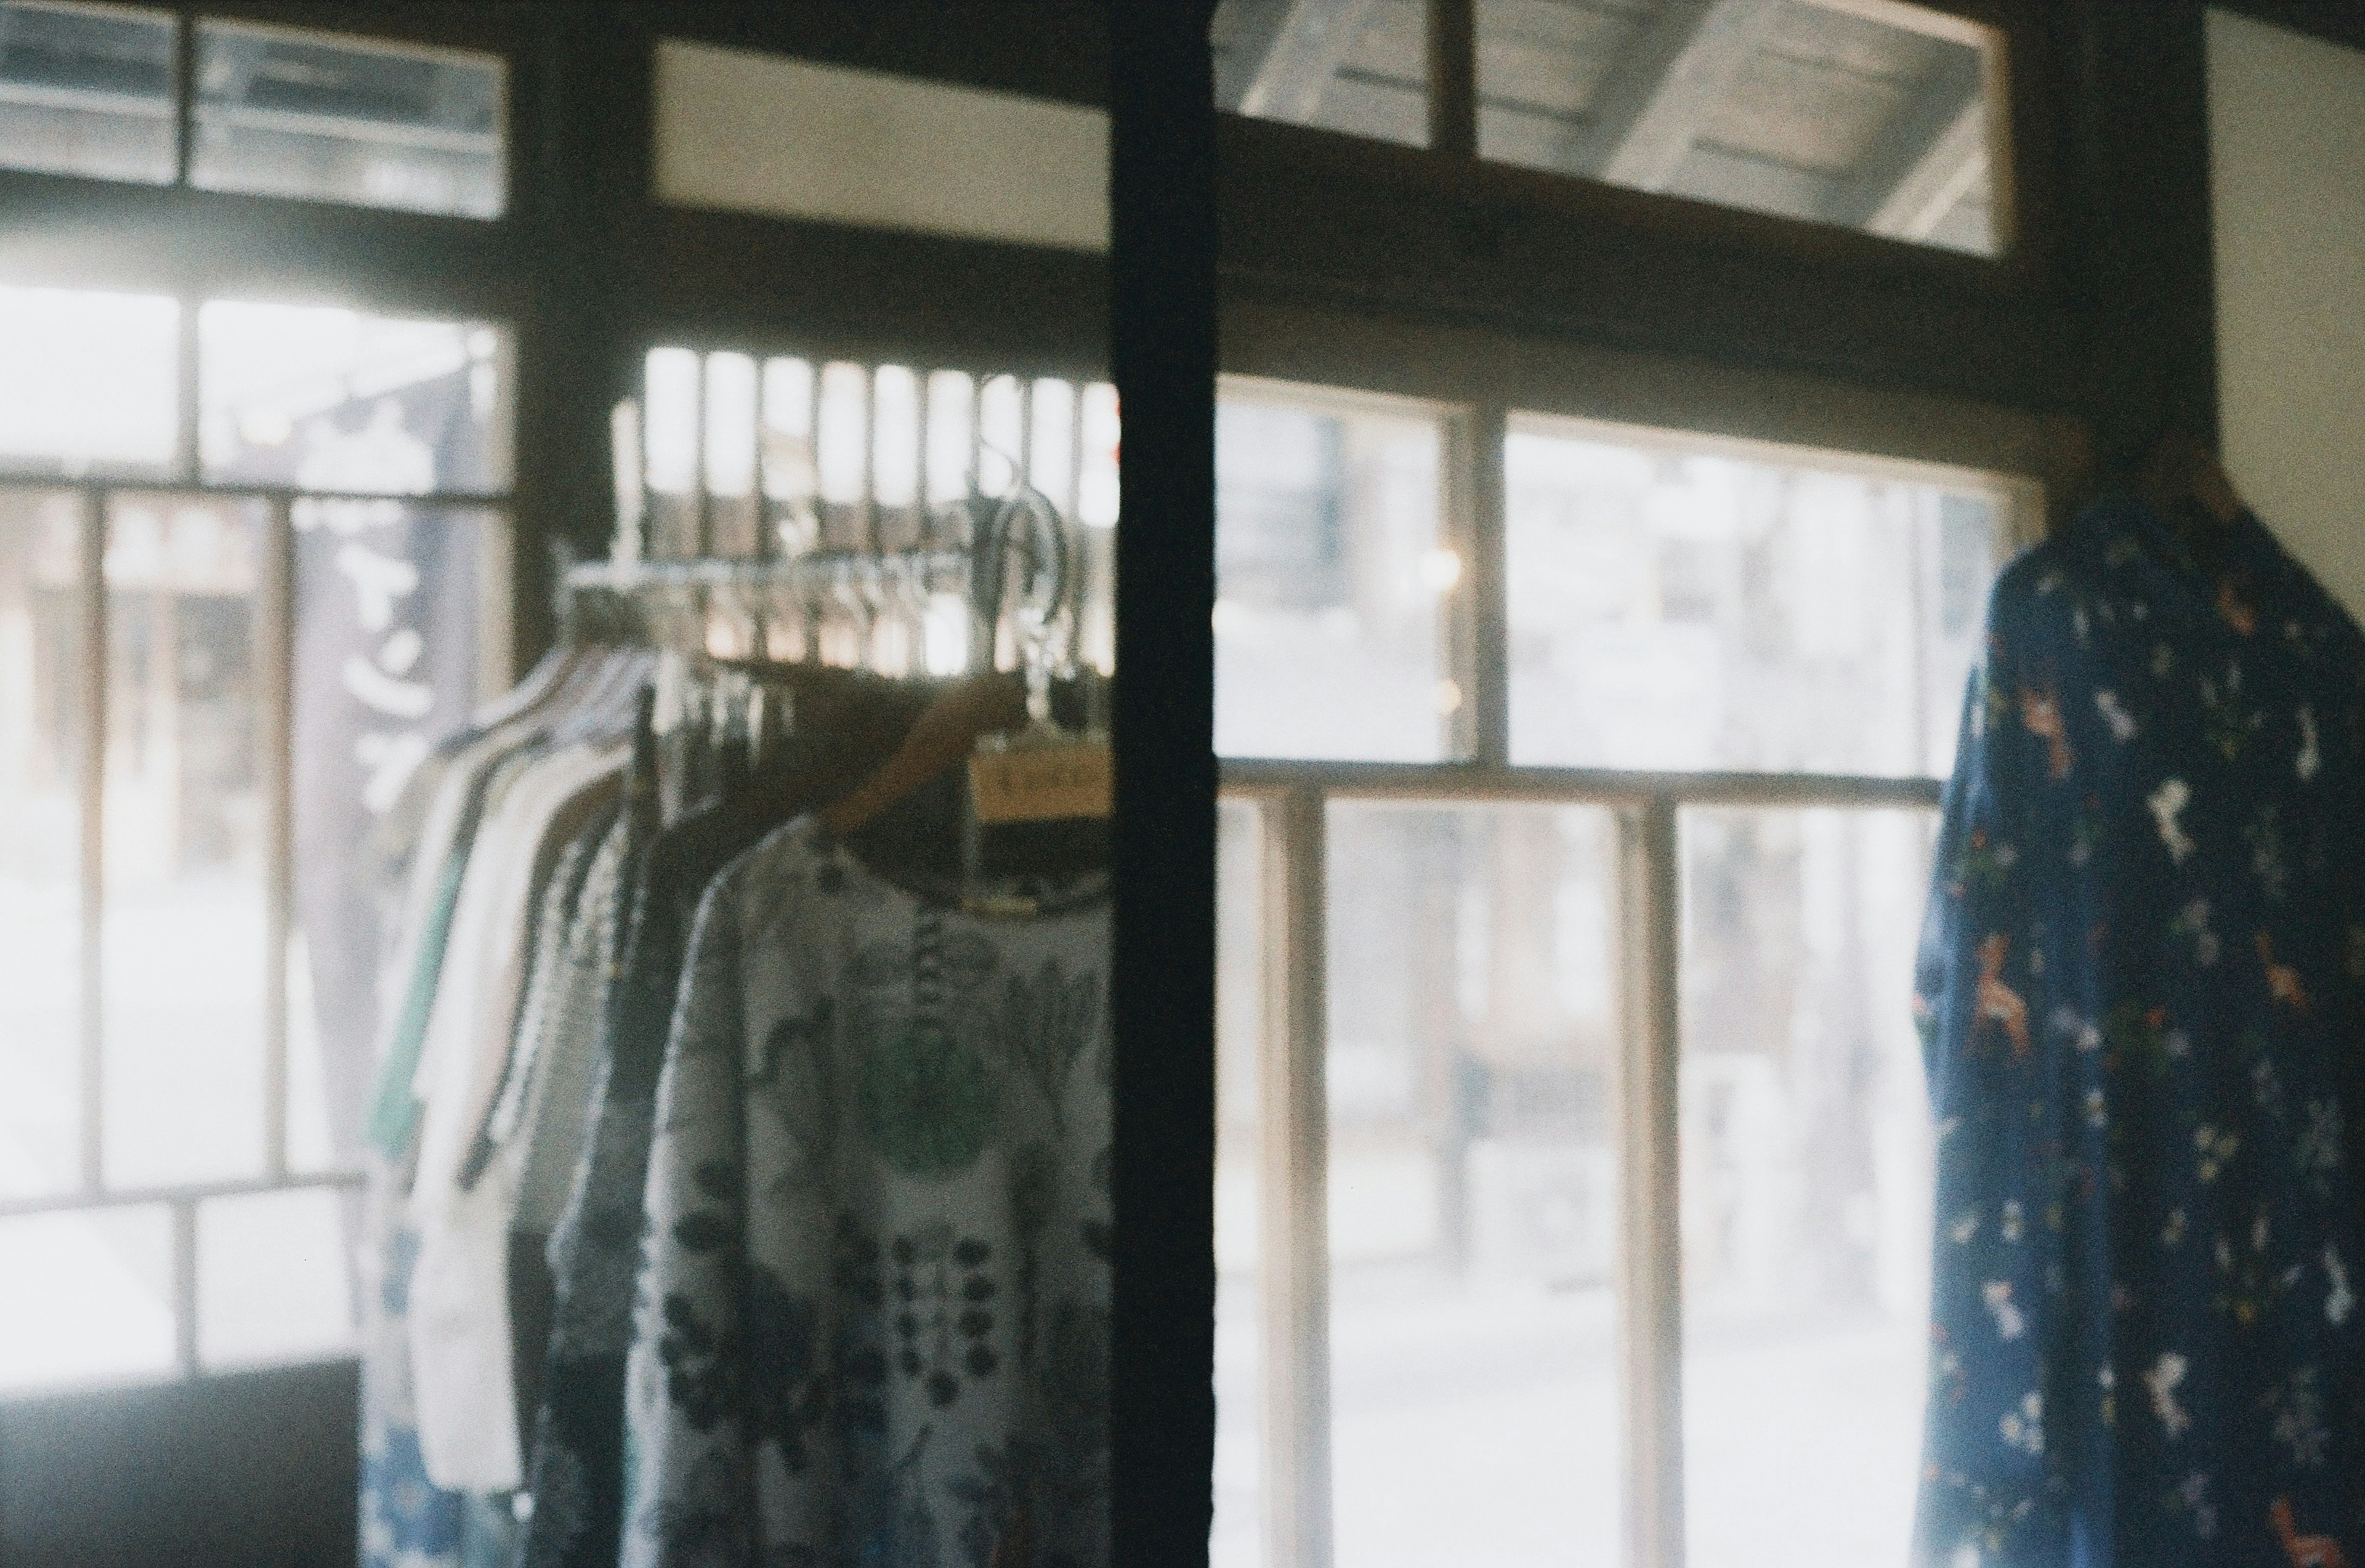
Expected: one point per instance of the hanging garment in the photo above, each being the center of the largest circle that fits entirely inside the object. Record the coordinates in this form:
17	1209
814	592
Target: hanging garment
577	1475
461	1344
873	1321
408	1521
2143	988
534	1134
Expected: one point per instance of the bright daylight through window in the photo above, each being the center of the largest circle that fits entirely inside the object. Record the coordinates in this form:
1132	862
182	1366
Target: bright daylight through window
226	633
1873	115
1732	674
92	90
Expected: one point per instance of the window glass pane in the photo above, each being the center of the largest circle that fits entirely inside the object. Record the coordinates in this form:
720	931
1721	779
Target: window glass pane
89	385
388	641
182	921
1806	1180
1001	419
1237	1540
86	90
1096	506
1332	583
895	457
673	385
273	1282
1051	458
1359	66
1473	1186
732	527
1673	604
102	1309
790	481
42	734
842	445
324	399
290	113
1097	496
1886	119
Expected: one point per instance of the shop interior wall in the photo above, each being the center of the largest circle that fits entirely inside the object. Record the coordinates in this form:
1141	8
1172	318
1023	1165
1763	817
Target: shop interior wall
2287	166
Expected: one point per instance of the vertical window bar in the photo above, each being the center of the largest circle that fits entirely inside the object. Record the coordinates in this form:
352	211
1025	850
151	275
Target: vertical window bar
868	497
704	543
1452	78
927	532
184	1285
760	550
1022	461
1296	1245
187	454
185	94
278	698
93	835
1074	503
496	621
1650	1248
1478	636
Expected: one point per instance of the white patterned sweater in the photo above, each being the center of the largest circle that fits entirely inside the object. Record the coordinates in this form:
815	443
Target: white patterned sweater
872	1319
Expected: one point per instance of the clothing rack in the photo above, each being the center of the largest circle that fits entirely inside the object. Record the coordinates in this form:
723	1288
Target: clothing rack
726	609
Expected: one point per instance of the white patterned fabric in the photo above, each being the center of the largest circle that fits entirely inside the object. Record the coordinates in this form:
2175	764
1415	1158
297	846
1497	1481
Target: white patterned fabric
872	1322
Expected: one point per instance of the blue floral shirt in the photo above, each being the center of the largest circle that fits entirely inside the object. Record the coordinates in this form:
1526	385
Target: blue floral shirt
2141	987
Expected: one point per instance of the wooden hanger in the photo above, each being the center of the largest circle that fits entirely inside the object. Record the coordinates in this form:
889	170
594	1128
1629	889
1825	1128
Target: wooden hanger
946	732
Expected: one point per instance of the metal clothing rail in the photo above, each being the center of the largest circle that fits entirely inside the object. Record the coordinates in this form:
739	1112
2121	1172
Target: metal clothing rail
821	570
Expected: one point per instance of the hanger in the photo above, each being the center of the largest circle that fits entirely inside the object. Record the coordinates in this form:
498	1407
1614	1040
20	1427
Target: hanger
990	701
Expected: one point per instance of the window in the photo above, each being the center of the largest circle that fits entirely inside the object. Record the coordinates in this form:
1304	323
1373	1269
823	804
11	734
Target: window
1358	66
1874	114
229	626
735	456
1337	580
87	90
92	90
1572	1154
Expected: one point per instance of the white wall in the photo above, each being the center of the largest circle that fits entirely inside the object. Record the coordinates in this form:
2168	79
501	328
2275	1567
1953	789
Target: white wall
762	133
2287	135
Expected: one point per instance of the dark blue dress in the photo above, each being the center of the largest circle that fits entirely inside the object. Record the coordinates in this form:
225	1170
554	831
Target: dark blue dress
2141	987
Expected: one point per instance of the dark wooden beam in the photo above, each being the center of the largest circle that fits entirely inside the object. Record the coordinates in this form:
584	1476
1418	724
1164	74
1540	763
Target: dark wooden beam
1524	251
1162	983
2138	242
1453	77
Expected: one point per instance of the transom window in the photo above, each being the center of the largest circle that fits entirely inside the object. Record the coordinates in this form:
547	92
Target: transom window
98	91
1873	115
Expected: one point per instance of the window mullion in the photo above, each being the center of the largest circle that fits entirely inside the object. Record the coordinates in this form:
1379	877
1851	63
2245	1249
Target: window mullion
184	93
1295	1244
184	1285
277	701
1453	78
1650	1251
187	393
1481	644
93	768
